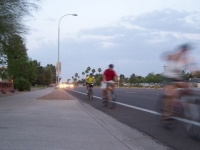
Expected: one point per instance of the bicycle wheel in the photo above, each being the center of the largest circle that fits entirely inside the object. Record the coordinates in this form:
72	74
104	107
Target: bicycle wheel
112	100
89	93
192	112
106	100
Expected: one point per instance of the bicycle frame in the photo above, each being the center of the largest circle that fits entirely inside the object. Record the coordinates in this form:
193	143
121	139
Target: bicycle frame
186	106
90	91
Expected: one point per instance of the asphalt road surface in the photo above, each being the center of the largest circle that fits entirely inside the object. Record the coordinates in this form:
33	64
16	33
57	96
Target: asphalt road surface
137	109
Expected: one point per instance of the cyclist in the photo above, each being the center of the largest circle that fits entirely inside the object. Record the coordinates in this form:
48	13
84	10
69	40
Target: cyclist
177	62
109	75
89	81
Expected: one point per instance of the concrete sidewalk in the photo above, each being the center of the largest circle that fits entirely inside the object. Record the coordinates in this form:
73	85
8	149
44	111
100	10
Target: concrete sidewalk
29	123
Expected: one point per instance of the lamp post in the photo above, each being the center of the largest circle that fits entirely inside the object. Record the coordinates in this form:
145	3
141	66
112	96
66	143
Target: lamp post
118	72
58	63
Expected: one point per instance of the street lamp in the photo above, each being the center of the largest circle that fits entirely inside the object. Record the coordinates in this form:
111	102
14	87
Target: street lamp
118	72
58	63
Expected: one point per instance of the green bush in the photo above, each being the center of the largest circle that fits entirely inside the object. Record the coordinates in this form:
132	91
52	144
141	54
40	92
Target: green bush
22	84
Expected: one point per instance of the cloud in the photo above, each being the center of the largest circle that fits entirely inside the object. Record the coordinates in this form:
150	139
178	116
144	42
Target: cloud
168	20
134	43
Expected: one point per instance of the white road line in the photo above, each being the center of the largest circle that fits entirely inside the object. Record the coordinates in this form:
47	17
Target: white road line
146	110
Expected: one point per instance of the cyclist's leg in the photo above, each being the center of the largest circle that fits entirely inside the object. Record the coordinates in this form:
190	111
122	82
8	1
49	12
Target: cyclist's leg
170	96
103	87
92	87
87	84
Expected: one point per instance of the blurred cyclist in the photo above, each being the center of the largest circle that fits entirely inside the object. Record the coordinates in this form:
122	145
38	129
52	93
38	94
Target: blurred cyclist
89	81
109	75
178	61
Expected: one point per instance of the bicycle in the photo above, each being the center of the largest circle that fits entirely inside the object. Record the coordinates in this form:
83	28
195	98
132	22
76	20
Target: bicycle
110	96
186	107
90	91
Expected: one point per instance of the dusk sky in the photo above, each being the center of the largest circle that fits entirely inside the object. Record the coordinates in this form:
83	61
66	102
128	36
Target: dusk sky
131	34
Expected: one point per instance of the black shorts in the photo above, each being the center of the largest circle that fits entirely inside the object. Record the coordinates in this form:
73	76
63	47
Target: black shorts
90	84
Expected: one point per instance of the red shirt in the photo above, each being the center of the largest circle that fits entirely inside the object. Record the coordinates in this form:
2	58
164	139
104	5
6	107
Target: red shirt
109	74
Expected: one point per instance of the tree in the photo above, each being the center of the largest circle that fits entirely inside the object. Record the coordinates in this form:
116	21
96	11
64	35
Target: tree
31	72
40	74
86	71
158	78
16	56
12	13
99	70
3	73
88	68
121	77
83	73
98	79
48	76
139	79
53	70
126	80
93	71
132	79
75	79
76	75
18	63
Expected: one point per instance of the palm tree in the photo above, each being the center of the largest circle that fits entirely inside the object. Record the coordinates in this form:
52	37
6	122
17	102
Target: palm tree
88	68
99	70
83	73
122	76
76	75
86	71
93	71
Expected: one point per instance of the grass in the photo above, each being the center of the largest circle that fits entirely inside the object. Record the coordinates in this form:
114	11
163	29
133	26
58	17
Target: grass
37	87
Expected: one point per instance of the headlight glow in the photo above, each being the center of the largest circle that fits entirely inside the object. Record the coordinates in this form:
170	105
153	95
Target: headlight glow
61	86
65	85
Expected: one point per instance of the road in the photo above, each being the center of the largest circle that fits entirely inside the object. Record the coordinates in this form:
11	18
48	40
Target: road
137	109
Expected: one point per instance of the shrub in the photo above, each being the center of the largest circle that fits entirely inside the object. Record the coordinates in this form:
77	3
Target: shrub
22	84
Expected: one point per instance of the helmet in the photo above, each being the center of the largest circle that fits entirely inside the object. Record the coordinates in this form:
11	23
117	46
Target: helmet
91	74
185	47
111	66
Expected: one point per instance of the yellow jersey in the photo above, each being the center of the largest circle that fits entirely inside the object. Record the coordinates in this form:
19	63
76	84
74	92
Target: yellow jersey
90	79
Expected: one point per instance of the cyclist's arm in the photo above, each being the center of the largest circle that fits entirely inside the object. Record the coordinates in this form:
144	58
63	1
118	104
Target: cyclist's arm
115	79
104	78
94	81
